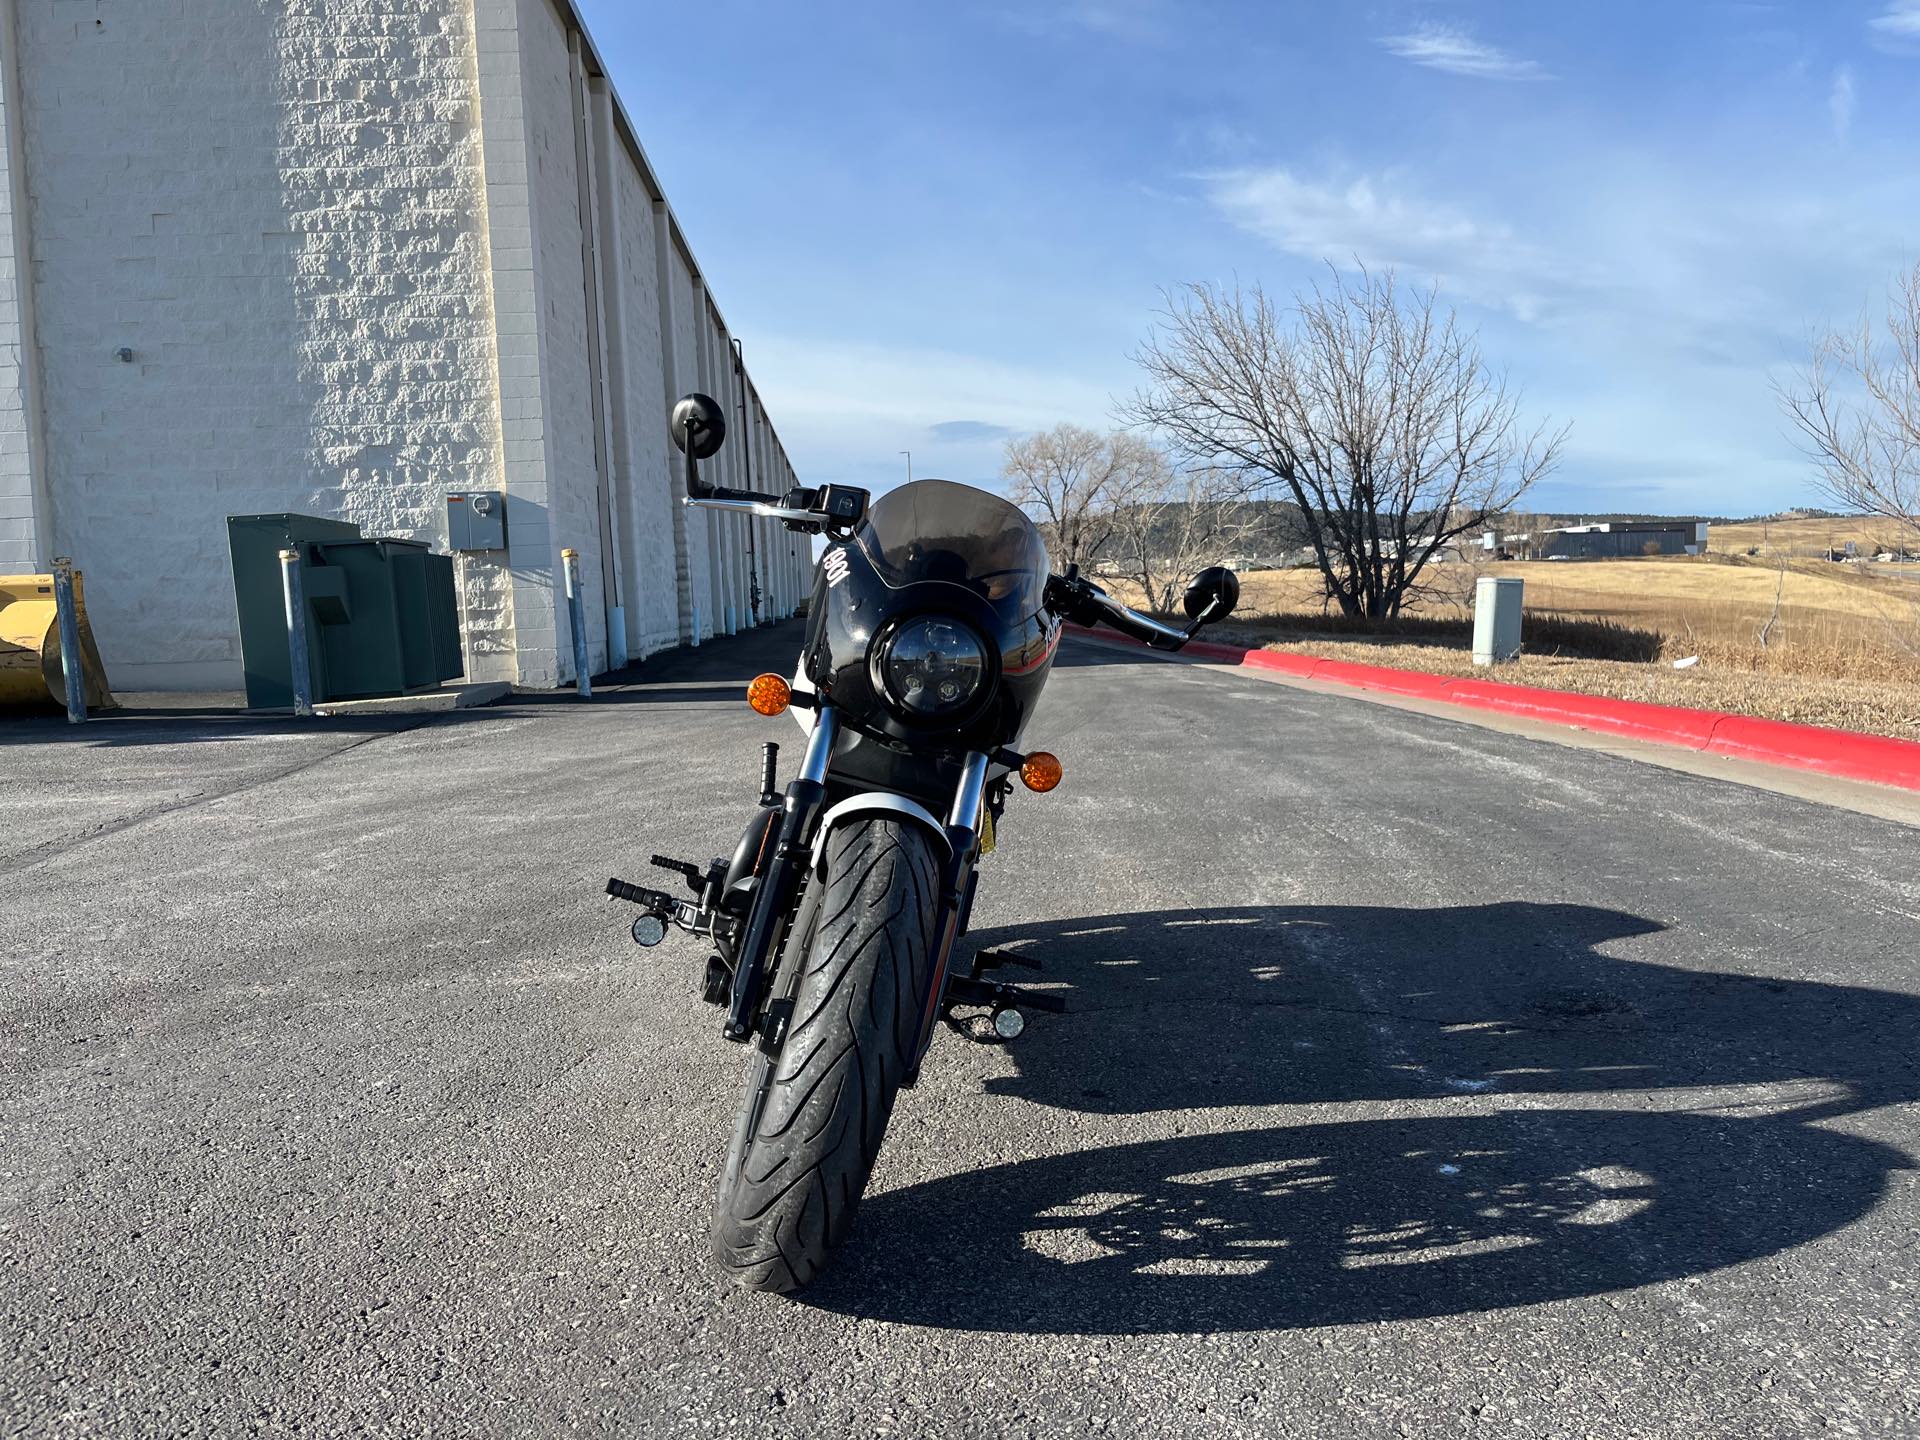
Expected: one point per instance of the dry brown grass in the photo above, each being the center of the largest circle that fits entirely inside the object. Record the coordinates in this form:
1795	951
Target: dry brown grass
1546	634
1843	650
1808	538
1832	623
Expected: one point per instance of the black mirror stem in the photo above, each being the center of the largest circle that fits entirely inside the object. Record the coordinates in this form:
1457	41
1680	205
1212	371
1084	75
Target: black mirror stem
694	488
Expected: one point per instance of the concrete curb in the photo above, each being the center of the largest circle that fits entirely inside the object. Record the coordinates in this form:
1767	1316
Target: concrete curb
422	702
1878	759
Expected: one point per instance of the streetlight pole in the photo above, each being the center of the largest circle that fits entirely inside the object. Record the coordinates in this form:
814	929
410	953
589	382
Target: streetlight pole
909	455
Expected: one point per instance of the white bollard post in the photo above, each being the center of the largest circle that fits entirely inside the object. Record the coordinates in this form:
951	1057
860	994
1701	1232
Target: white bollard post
696	625
570	567
1496	619
299	669
466	630
68	616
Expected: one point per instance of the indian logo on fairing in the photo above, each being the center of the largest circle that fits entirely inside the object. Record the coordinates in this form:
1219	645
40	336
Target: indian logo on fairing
834	562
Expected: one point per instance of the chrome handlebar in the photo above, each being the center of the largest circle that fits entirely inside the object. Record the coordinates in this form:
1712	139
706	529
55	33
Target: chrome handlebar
764	508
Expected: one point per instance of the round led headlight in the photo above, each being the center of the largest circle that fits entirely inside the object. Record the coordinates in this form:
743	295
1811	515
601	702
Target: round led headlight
934	667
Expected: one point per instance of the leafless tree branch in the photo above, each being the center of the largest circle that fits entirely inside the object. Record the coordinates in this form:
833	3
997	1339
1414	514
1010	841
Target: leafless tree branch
1163	540
1075	481
1856	407
1365	404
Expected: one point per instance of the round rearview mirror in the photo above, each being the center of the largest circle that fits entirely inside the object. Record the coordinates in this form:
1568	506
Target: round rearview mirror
699	426
649	930
1212	594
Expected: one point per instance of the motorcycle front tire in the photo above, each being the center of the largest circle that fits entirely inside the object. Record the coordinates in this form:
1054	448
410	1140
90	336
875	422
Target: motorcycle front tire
857	968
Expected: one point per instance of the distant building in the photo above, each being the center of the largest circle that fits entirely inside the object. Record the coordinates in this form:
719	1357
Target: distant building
1618	539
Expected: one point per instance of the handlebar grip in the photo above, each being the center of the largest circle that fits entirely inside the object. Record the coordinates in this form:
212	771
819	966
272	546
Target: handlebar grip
728	492
1141	627
1087	604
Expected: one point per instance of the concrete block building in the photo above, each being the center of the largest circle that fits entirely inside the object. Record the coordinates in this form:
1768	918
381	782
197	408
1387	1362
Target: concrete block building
348	258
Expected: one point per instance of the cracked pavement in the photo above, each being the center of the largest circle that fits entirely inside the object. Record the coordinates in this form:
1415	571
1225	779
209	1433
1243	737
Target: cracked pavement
1419	1079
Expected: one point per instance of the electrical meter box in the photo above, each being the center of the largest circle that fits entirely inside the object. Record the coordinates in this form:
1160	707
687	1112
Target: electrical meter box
477	520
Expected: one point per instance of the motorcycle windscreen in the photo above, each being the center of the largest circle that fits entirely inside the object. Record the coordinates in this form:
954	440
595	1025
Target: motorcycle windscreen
937	530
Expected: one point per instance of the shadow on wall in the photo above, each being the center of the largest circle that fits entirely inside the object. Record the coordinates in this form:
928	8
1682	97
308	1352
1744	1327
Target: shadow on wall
1397	1218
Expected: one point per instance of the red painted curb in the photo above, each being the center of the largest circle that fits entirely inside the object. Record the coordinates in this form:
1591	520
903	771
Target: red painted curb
1272	660
1880	759
1635	719
1378	677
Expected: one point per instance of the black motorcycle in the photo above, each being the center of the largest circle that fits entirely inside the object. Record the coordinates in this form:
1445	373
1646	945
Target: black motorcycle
933	623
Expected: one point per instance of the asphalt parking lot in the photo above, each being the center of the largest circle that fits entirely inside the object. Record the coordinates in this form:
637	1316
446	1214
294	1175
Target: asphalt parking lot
1419	1079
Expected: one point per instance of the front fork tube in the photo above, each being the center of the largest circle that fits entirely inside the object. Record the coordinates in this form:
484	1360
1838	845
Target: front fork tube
963	845
780	886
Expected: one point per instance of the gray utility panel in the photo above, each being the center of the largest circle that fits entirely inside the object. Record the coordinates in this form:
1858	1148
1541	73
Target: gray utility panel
381	613
477	520
1496	619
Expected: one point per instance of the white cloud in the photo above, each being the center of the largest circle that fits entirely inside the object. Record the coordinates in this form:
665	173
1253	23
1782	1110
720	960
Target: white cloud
961	432
1842	101
1449	48
1634	249
1661	296
1897	28
1378	223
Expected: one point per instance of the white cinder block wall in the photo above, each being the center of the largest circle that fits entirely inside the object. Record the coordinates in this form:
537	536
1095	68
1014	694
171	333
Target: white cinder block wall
25	511
354	261
643	455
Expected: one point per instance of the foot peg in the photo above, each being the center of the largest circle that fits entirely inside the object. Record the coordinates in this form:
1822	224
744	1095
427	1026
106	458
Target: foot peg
639	895
1005	1001
662	910
697	878
657	909
962	990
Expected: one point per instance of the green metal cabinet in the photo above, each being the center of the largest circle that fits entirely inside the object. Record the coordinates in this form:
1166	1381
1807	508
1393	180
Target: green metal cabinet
381	618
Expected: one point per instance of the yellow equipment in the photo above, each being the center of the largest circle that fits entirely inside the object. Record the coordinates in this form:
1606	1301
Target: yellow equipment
30	646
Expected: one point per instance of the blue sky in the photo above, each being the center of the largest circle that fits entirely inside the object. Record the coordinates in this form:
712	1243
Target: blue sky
937	225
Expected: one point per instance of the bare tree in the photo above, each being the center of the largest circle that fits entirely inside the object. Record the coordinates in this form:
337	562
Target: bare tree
1857	406
1452	585
1364	403
1074	481
1164	539
1779	592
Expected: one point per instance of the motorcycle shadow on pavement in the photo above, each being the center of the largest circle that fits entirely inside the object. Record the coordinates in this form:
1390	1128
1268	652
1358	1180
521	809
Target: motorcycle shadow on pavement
1469	1206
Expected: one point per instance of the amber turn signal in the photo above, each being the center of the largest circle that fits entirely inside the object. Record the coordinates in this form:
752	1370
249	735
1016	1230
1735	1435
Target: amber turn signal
769	694
1041	771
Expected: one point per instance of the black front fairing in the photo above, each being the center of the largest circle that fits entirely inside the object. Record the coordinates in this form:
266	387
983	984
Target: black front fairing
933	547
